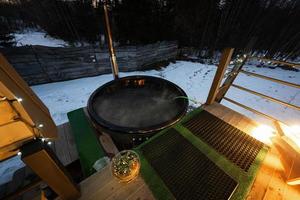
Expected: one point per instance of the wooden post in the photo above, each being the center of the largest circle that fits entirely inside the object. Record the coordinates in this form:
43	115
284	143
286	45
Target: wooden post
23	116
224	62
40	158
230	79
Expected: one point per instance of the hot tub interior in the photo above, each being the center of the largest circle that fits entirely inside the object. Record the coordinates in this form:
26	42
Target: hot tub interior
137	104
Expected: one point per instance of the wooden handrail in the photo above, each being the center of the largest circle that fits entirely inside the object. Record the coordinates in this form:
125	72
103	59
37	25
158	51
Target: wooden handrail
271	79
222	90
224	62
290	64
250	109
267	97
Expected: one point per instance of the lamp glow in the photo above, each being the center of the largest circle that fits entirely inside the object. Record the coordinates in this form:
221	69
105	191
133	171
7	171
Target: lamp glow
293	182
19	99
296	129
19	153
263	133
292	132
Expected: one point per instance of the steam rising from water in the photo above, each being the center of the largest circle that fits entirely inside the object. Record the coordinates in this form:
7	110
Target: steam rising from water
138	107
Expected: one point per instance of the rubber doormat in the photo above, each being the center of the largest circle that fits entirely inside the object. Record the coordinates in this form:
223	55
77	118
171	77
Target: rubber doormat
234	144
186	171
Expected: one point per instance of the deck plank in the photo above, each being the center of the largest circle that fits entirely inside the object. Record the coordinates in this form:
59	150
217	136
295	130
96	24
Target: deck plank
102	185
142	194
64	147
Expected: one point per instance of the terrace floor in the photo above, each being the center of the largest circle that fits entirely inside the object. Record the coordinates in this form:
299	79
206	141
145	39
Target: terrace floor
269	182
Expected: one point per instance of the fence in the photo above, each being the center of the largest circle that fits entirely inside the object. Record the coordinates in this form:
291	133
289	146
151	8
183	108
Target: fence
40	64
218	93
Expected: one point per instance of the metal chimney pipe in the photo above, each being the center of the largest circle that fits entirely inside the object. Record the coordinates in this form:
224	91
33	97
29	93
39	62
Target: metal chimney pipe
113	59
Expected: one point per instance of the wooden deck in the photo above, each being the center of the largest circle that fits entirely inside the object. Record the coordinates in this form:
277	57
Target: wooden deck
269	183
65	147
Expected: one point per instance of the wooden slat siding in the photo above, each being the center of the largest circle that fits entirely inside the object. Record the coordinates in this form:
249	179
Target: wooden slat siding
40	64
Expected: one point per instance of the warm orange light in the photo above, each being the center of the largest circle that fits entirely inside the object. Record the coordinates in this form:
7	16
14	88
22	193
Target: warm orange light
294	182
263	133
292	132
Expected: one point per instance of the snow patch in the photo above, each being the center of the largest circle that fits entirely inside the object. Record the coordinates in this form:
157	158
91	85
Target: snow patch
8	167
33	37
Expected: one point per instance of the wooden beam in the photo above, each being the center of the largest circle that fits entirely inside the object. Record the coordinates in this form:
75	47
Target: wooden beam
224	62
230	79
250	109
41	159
267	97
290	160
22	113
271	79
290	64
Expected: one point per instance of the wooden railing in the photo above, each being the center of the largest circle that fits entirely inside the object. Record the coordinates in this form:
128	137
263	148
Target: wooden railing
218	92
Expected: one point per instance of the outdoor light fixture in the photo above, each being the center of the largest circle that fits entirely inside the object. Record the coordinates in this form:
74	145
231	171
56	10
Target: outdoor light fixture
19	99
41	125
19	153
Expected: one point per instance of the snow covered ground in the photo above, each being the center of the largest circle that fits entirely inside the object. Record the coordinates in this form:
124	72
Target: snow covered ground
8	167
37	37
195	79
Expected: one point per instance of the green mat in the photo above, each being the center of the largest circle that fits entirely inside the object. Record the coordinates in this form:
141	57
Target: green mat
87	143
244	179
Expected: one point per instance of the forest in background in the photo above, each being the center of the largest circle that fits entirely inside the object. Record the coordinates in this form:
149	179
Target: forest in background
270	27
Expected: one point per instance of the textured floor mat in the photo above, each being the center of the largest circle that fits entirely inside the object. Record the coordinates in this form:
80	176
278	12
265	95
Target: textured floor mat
187	172
235	145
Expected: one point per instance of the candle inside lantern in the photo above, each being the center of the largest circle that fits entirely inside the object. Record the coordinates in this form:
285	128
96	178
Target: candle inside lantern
126	165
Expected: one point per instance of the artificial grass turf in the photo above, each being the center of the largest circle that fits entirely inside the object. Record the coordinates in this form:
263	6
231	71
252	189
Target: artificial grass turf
244	179
87	143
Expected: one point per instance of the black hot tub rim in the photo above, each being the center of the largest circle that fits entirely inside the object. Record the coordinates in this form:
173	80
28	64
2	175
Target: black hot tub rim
104	124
